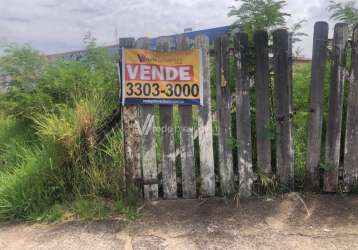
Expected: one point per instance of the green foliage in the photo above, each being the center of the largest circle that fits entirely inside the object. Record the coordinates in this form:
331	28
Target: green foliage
55	213
88	168
49	151
90	209
23	65
38	85
301	83
31	185
259	14
129	209
296	33
345	12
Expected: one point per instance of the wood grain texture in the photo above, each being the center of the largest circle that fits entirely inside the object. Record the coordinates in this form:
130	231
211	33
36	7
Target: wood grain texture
243	117
186	138
318	69
167	138
223	104
149	161
205	126
284	152
351	147
263	143
334	126
132	135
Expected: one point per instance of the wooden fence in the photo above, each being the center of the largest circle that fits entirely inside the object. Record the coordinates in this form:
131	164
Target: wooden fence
187	169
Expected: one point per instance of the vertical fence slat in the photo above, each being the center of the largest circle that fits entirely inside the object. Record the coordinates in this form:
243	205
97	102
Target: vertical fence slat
262	102
243	117
131	131
351	155
186	138
205	127
333	136
284	153
167	136
223	105
149	161
319	59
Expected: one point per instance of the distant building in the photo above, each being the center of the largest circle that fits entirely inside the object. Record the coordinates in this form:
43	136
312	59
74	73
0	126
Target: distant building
114	49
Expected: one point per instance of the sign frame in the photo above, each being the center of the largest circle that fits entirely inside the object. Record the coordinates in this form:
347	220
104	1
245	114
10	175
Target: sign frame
161	101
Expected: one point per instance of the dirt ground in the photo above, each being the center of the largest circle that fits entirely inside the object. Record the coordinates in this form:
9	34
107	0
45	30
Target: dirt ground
316	222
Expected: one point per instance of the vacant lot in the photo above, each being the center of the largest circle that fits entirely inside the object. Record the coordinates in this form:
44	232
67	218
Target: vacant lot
316	222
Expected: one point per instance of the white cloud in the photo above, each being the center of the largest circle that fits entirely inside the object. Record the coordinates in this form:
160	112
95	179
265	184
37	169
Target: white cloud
59	25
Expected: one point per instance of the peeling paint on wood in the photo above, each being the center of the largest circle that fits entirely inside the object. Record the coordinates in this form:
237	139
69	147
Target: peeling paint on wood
149	161
167	138
319	59
284	147
351	148
205	127
263	142
223	104
243	117
186	138
132	136
335	108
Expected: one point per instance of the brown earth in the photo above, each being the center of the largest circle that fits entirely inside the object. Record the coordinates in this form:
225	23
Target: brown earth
313	222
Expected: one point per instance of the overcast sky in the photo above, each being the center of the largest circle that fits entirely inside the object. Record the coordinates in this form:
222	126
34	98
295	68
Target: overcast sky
53	26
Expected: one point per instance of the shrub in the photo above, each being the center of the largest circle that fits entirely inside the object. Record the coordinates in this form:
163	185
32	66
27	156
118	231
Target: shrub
49	151
31	186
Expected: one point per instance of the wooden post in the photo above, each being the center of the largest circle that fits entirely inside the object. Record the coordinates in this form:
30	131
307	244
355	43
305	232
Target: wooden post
263	143
132	135
284	152
167	135
205	127
186	138
243	117
223	105
318	69
149	161
351	148
333	136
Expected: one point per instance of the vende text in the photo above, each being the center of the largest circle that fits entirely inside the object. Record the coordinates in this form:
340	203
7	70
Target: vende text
146	72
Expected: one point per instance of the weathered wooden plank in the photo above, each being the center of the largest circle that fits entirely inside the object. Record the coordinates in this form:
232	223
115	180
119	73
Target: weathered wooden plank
223	105
319	60
132	136
351	147
333	136
290	108
167	137
263	143
149	161
186	138
205	126
284	153
243	117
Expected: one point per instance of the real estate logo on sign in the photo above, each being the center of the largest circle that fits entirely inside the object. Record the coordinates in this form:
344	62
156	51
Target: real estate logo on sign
151	77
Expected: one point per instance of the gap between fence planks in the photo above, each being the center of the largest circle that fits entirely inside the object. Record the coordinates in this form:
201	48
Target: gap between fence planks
318	69
167	137
336	94
186	137
149	161
263	142
351	147
223	105
243	117
132	136
205	128
284	148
